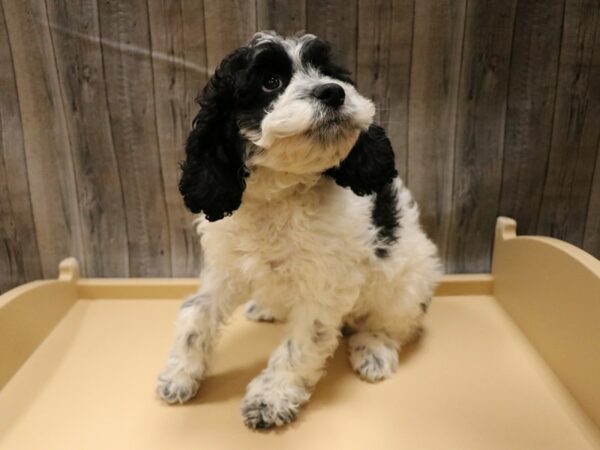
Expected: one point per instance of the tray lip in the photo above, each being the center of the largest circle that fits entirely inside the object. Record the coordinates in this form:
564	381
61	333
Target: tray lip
176	288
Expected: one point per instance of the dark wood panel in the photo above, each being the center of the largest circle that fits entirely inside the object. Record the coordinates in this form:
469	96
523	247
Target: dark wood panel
126	51
479	134
591	238
19	255
287	17
74	30
335	21
177	35
50	168
576	125
436	55
531	95
383	66
228	24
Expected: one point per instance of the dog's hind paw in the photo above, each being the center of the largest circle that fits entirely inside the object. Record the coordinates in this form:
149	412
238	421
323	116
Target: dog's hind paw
258	313
373	356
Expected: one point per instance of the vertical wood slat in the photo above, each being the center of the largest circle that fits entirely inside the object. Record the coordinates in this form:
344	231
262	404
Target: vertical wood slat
531	92
177	35
228	24
126	51
383	66
591	238
436	55
335	21
50	168
74	32
479	134
19	254
576	130
287	17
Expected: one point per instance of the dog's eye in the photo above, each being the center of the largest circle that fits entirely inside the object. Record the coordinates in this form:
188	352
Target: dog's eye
271	83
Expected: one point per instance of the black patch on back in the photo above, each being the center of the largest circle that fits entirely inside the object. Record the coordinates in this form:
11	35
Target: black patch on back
385	216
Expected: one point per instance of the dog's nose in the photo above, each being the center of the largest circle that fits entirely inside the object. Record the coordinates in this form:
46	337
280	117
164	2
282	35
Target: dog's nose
331	94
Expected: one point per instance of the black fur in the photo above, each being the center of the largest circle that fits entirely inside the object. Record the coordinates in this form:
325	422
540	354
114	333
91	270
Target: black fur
385	217
214	172
212	178
369	166
318	54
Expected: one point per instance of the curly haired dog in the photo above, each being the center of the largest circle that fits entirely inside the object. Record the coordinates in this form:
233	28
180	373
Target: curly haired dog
304	213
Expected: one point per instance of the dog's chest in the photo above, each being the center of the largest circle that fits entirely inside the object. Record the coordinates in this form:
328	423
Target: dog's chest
277	237
278	242
306	244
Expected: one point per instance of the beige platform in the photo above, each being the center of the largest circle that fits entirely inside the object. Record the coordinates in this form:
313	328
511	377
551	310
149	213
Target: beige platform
509	360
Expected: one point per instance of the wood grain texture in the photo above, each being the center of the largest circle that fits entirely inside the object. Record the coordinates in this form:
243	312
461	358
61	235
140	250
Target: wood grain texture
19	255
228	24
50	169
492	108
591	238
383	66
576	128
177	34
530	110
335	21
479	134
126	52
435	67
75	37
287	17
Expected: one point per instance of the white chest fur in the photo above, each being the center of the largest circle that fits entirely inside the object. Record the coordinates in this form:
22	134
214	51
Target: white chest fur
289	232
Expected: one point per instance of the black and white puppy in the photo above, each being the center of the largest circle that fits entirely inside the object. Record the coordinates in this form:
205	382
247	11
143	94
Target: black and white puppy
302	212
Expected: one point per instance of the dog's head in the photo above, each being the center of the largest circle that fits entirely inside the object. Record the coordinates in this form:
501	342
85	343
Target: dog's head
283	104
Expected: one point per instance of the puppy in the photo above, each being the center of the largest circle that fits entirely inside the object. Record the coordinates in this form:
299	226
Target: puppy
302	212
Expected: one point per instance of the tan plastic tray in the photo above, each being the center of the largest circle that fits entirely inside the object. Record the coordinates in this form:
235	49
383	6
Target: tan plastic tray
509	360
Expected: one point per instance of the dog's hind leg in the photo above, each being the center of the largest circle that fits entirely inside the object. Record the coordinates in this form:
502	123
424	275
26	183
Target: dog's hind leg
373	352
387	319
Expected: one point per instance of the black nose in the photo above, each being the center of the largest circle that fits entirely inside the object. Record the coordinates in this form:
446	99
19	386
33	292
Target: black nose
331	94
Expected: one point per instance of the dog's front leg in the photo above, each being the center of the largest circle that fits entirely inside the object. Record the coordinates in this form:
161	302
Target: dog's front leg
196	330
274	397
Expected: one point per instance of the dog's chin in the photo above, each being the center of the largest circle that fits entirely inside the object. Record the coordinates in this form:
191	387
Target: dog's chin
332	126
314	150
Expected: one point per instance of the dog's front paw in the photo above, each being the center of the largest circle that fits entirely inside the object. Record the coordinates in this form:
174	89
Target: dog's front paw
176	386
267	411
268	405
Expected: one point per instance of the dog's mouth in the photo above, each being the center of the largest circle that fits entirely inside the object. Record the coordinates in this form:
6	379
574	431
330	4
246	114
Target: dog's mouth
331	124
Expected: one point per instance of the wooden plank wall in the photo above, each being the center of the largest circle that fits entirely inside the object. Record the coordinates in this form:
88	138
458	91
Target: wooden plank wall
493	108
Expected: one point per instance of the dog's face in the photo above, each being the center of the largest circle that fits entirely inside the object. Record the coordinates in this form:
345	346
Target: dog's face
283	104
310	114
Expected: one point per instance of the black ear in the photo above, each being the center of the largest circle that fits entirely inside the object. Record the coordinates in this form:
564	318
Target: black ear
213	173
370	164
